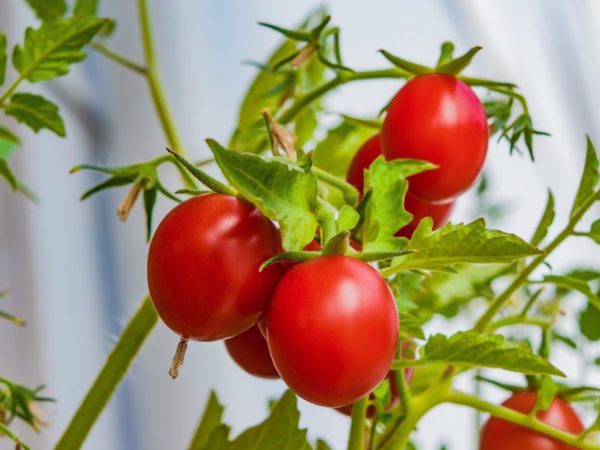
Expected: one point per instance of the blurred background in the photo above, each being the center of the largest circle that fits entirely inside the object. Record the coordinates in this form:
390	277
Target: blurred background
77	274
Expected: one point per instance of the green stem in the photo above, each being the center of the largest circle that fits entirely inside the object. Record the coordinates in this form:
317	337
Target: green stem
155	83
519	320
349	192
403	391
485	320
119	360
118	58
357	429
518	418
10	90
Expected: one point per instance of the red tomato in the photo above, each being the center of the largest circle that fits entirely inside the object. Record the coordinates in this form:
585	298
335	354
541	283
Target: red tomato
439	213
203	267
370	150
363	158
250	351
498	434
437	118
332	329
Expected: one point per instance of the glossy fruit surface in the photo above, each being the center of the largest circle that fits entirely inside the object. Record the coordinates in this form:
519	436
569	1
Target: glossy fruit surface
203	267
250	351
437	118
366	154
332	329
498	434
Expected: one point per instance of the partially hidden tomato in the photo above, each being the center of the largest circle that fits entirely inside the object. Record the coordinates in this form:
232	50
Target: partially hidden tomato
437	118
364	157
251	352
332	329
203	267
498	434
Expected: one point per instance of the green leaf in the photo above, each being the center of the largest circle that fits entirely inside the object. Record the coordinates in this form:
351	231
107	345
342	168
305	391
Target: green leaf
8	175
283	192
411	67
589	179
589	322
86	7
457	65
545	222
48	51
218	439
334	153
574	284
2	58
546	393
410	326
473	349
8	136
347	219
460	243
211	419
595	231
279	432
48	9
384	213
322	445
36	112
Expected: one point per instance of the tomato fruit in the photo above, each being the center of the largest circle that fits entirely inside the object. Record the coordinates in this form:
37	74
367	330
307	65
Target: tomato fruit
250	351
437	118
498	434
203	267
332	329
367	153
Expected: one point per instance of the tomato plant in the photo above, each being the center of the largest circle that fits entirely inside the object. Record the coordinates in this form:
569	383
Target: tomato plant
438	118
498	434
319	261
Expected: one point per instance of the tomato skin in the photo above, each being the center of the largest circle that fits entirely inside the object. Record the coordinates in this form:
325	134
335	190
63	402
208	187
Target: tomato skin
437	118
498	434
439	213
250	351
203	267
367	153
364	157
332	329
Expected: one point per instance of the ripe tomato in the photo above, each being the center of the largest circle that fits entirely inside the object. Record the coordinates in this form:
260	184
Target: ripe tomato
437	118
498	434
332	329
250	351
203	267
367	153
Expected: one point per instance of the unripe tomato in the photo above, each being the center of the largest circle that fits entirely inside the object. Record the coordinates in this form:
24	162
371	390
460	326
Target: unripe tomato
250	351
498	434
367	153
332	329
437	118
203	267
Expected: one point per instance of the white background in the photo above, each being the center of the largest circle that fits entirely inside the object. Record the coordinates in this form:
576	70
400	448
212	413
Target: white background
77	274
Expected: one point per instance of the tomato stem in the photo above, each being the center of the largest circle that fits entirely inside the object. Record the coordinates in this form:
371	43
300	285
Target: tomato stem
107	380
357	428
178	357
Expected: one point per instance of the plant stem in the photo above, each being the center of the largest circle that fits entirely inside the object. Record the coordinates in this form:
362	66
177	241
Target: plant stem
349	192
118	58
10	90
155	83
484	321
518	418
357	429
519	320
113	371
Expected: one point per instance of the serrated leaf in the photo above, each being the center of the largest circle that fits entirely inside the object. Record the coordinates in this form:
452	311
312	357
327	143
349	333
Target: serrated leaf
86	7
36	112
283	192
279	432
2	58
460	243
334	153
589	178
457	65
410	326
545	222
48	9
48	51
211	419
347	219
474	349
384	213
